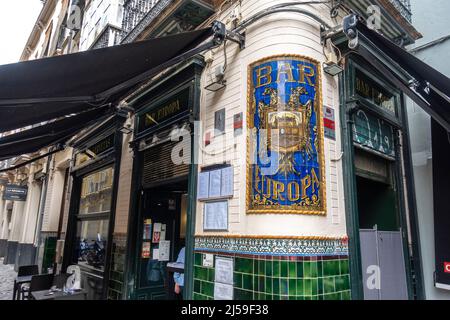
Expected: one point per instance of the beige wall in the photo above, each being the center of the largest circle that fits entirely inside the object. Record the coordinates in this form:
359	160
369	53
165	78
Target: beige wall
55	189
282	33
124	188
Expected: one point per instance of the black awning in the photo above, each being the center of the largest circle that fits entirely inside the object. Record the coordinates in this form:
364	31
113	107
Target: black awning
45	89
54	132
426	86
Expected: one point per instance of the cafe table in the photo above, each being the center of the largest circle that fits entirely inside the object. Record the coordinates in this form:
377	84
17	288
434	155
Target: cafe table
59	295
17	282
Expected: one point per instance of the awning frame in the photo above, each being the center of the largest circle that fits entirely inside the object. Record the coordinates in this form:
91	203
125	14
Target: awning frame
433	101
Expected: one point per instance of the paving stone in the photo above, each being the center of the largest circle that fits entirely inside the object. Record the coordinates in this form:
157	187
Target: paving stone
7	276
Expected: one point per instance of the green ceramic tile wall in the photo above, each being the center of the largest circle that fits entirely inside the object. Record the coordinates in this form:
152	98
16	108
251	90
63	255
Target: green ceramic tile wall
274	279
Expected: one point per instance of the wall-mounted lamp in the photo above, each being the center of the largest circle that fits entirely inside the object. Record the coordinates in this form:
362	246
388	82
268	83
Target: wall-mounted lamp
216	85
126	129
332	68
220	82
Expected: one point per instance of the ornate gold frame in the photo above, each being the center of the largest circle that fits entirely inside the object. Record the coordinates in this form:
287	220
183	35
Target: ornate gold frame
320	132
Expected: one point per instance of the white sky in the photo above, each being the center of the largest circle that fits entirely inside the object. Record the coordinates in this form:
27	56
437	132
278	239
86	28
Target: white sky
17	18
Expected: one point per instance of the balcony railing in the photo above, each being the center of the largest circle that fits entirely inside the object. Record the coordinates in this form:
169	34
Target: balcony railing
109	36
404	7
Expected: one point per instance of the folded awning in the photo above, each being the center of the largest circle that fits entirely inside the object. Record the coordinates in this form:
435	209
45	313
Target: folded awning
40	90
426	86
32	140
70	92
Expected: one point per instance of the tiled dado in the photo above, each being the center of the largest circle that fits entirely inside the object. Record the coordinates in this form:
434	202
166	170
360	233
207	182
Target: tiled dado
278	276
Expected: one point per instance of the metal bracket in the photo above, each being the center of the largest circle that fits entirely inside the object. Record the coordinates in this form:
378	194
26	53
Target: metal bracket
221	33
349	27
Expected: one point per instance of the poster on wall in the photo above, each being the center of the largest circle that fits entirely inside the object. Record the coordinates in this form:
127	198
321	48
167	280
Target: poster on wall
147	233
145	250
285	144
215	215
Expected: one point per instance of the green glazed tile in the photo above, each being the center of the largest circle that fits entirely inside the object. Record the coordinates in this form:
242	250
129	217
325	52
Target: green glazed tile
306	269
333	296
261	267
300	269
331	268
269	268
284	297
247	282
345	295
276	285
198	259
208	288
261	284
292	269
197	286
284	269
284	286
200	273
320	285
346	282
197	296
328	285
314	287
300	287
262	296
243	265
344	266
210	275
314	269
319	268
243	294
276	268
276	297
307	298
238	280
307	283
339	283
292	287
268	286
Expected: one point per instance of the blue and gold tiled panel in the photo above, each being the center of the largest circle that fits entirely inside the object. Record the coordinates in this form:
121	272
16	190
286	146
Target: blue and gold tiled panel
277	275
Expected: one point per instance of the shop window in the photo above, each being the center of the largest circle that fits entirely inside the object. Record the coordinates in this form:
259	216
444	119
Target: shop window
93	219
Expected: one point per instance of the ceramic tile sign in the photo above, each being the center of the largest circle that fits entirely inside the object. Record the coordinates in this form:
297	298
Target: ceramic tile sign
329	124
285	145
215	216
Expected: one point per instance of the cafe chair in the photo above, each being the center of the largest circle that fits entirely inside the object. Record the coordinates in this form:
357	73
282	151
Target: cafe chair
23	271
40	282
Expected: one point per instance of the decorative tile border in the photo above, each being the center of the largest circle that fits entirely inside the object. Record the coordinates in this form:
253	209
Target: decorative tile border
273	246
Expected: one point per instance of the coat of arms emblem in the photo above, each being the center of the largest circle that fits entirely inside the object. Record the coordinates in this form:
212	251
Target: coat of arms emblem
285	117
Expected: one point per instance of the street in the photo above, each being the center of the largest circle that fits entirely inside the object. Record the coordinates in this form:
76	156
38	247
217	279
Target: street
7	275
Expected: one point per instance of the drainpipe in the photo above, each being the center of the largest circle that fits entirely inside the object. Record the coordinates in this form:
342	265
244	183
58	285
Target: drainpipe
37	238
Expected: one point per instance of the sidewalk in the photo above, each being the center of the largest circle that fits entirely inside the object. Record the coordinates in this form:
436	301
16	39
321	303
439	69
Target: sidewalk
7	275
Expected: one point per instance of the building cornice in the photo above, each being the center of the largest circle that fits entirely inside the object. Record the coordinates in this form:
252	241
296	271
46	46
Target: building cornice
41	22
